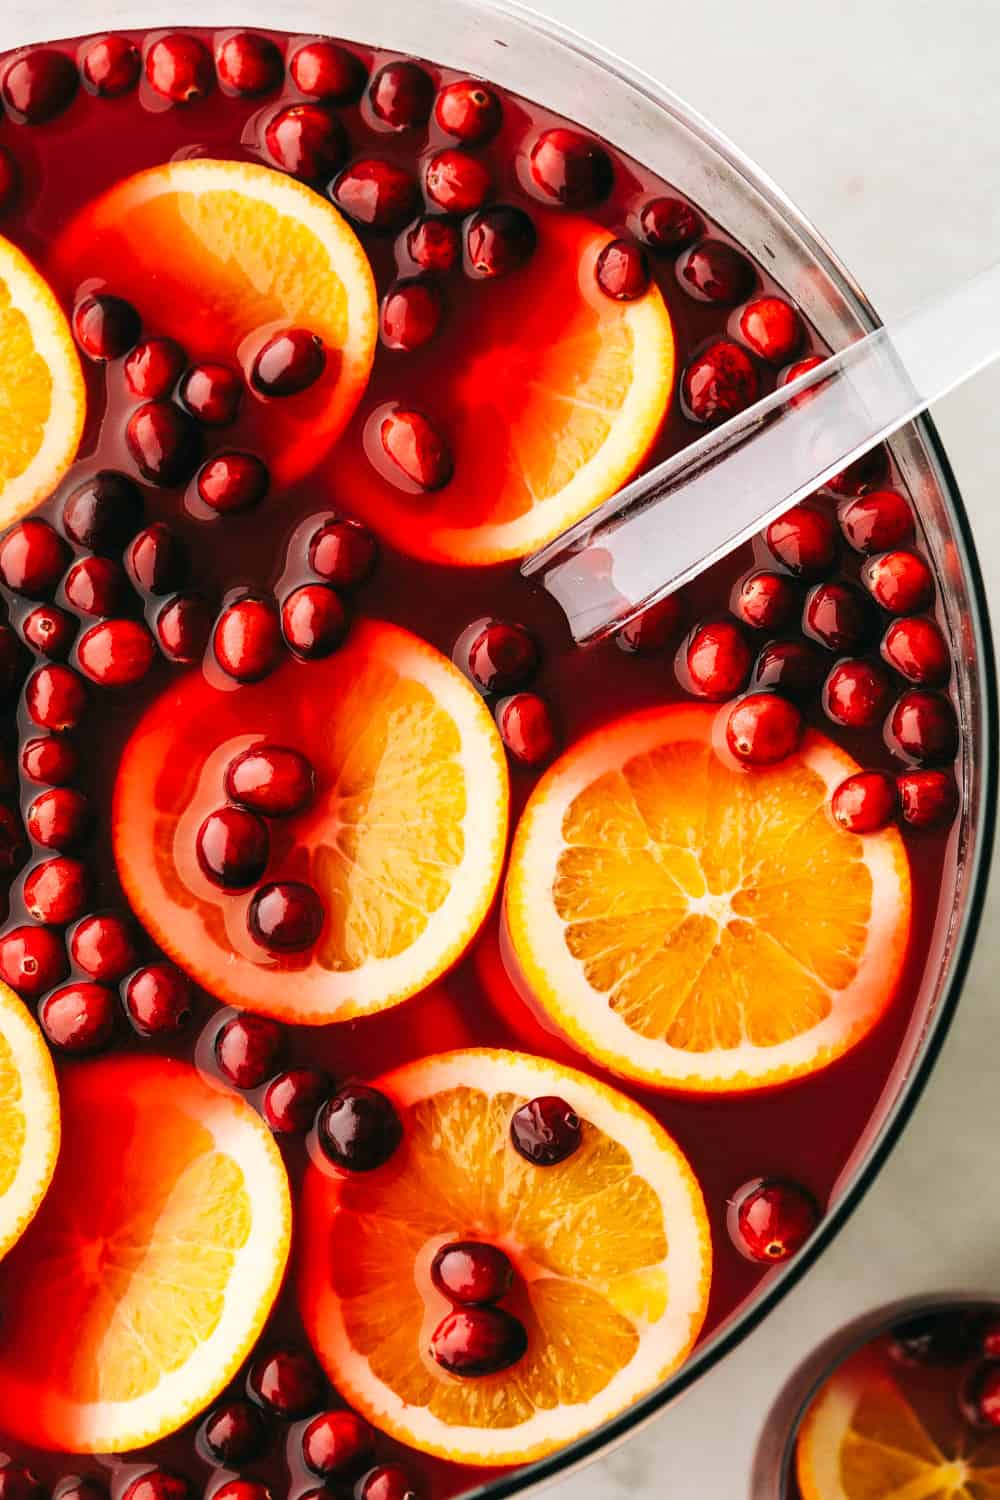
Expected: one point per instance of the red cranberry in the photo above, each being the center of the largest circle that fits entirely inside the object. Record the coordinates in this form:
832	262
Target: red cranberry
790	667
327	71
927	799
242	1489
234	1434
469	1271
772	328
105	327
32	558
111	66
313	621
180	68
293	1098
233	482
55	697
103	512
307	140
285	916
271	780
73	1487
55	891
12	847
719	382
183	627
855	694
10	180
79	1018
838	616
434	244
526	728
288	363
32	960
343	552
923	727
623	270
865	802
917	650
247	639
415	448
650	631
980	1400
93	586
287	1383
456	181
212	393
411	314
771	1220
164	442
717	659
866	473
155	560
401	95
469	111
153	368
497	655
877	521
765	601
499	240
233	848
158	999
50	760
57	818
116	653
763	729
473	1341
802	367
249	64
713	271
669	224
49	630
570	168
378	194
247	1050
804	540
18	1483
39	84
103	946
545	1131
158	1484
388	1482
900	581
358	1128
337	1444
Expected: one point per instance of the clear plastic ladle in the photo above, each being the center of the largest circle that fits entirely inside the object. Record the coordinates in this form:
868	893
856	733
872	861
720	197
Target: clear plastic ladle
673	522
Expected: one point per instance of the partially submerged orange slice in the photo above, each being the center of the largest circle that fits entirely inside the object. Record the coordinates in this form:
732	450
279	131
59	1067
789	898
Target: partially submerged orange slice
611	1248
696	927
29	1118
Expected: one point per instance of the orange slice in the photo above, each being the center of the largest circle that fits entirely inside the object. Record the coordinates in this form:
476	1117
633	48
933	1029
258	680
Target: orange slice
697	927
42	394
29	1118
150	1269
404	841
548	392
611	1248
221	255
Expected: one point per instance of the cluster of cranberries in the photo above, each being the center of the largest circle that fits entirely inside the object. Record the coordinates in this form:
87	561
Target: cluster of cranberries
501	658
965	1339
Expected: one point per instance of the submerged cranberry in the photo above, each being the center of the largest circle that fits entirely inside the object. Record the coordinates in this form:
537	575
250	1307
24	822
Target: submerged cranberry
434	244
866	473
212	393
923	727
111	66
499	240
287	1382
247	639
105	327
233	848
763	729
93	586
55	697
474	1341
288	363
307	140
49	630
470	1271
804	540
79	1018
497	654
669	224
717	659
950	1336
468	110
900	582
927	799
155	560
183	626
153	368
273	780
545	1131
411	314
876	522
773	1219
55	891
358	1128
416	448
285	916
32	960
981	1397
856	693
249	64
158	1484
338	1444
388	1482
116	653
838	616
10	180
12	846
343	552
103	512
719	382
526	728
714	271
865	802
772	328
650	631
233	482
456	181
39	84
401	95
327	71
313	621
247	1050
622	270
52	760
570	168
242	1489
57	818
179	68
917	650
19	1483
292	1100
802	367
765	601
376	193
103	946
164	442
158	999
32	558
234	1434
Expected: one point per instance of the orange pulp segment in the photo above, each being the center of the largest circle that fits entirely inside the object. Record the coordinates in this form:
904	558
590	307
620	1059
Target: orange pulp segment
29	1118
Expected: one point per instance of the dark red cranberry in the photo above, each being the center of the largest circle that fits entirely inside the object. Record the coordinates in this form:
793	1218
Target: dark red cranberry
900	581
288	363
651	631
717	659
248	1049
212	393
765	601
980	1398
12	663
111	66
877	522
234	1434
526	728
50	760
868	472
158	999
804	540
153	368
164	442
247	639
474	1341
79	1018
10	180
434	244
927	799
327	71
469	111
32	558
771	1220
105	327
179	67
233	482
12	845
55	697
343	552
116	653
248	63
32	960
417	451
338	1444
719	382
103	946
183	627
923	727
103	512
93	586
401	95
772	328
622	270
668	224
546	1131
856	693
57	818
292	1100
802	367
286	1382
469	1271
376	193
49	630
917	650
988	1340
714	271
499	656
285	916
19	1483
39	84
358	1128
763	728
158	1484
388	1482
865	802
313	621
456	181
411	314
570	168
155	560
499	240
838	616
307	140
55	891
242	1489
233	848
272	780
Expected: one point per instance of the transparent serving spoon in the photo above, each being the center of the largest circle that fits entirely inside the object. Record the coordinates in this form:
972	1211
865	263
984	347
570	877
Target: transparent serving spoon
685	514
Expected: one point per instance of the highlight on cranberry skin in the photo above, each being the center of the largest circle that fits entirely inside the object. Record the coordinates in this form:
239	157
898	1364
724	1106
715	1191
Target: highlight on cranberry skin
307	140
804	540
669	224
313	621
765	601
343	552
772	328
418	454
183	627
622	270
247	639
570	169
103	945
249	64
273	780
652	630
865	802
388	1482
58	818
103	512
456	181
719	382
918	651
212	393
434	244
153	368
901	582
376	193
476	1341
111	66
770	1220
715	660
155	560
79	1018
498	655
411	314
927	799
527	729
180	68
763	729
876	522
285	916
32	960
358	1129
856	694
116	653
286	1382
714	271
231	483
838	616
288	363
472	1271
164	442
38	84
158	1000
499	240
32	558
546	1131
233	848
55	891
105	327
923	727
338	1445
325	70
158	1484
292	1100
55	697
401	95
469	111
234	1434
247	1050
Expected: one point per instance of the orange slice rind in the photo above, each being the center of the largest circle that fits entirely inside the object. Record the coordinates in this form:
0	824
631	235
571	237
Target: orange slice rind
29	1119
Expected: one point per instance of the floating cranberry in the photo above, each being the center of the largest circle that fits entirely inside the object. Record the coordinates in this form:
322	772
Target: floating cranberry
55	697
179	67
988	1339
917	650
247	639
153	368
923	727
338	1444
650	631
358	1128
155	560
105	327
838	616
32	558
103	512
116	653
546	1131
772	328
927	799
622	270
526	728
157	1484
272	780
416	448
32	960
111	66
307	140
866	473
286	1382
474	1341
328	71
765	601
668	224
285	916
468	110
719	382
12	846
570	168
158	999
855	694
900	581
103	946
773	1219
343	552
313	621
57	818
183	627
292	1100
164	442
980	1400
233	482
763	729
93	586
39	84
242	1489
212	393
249	64
55	891
19	1483
10	180
802	367
50	760
469	1271
234	1434
804	540
717	659
411	314
499	240
376	193
713	271
865	802
401	95
498	655
248	1049
877	522
233	848
388	1482
79	1018
456	181
288	363
434	244
49	630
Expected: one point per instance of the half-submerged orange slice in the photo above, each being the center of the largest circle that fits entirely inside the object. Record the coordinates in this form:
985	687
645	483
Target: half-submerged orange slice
29	1118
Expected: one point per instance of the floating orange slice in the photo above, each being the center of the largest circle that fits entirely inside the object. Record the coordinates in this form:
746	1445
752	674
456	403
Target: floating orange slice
29	1118
611	1248
696	927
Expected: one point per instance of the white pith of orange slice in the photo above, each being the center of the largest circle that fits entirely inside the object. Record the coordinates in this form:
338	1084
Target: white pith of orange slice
29	1118
611	1248
145	1278
697	927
